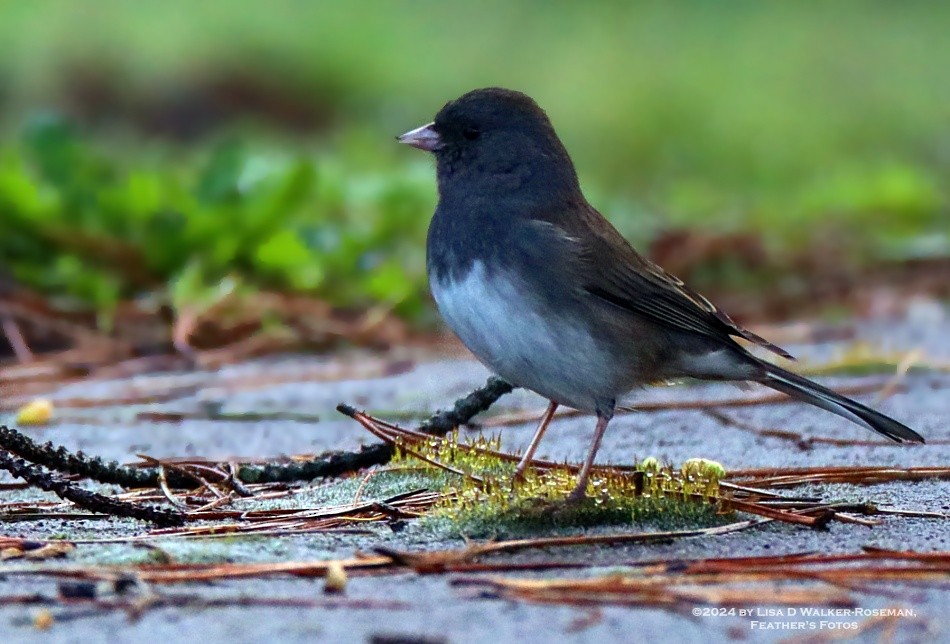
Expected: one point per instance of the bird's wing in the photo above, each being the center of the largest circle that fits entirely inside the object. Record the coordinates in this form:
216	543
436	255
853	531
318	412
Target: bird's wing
614	272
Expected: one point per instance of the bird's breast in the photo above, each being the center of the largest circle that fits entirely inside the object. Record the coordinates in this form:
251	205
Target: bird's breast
526	339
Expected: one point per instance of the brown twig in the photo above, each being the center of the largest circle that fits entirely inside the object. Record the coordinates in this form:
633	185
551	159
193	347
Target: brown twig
859	475
15	337
731	582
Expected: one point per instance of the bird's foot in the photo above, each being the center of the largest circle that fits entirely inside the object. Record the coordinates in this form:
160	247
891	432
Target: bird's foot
567	510
562	506
578	495
519	478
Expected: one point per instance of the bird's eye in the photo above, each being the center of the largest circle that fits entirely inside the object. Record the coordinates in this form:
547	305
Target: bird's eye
470	133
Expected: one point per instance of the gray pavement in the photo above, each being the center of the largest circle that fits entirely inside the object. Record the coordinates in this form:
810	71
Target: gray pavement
433	607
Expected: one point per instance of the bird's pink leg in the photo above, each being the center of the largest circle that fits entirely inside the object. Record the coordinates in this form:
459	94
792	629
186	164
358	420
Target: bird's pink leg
580	491
535	441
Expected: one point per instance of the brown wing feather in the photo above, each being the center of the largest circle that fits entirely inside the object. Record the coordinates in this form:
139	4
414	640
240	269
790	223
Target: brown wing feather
617	273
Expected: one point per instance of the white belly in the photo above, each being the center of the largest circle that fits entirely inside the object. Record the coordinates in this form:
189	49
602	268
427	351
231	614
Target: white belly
507	329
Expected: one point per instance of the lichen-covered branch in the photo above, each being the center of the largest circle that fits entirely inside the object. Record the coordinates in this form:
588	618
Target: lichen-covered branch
91	501
60	459
329	464
337	463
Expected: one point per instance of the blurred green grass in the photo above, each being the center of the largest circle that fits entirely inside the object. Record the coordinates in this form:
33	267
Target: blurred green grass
796	121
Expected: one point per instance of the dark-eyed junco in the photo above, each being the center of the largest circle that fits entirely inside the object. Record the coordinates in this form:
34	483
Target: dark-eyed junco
546	292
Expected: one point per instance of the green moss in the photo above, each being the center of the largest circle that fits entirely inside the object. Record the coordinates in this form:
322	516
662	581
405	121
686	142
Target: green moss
482	499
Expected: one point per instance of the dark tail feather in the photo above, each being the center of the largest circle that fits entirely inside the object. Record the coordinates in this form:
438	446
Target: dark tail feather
813	393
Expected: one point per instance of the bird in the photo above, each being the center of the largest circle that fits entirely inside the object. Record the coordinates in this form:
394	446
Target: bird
546	293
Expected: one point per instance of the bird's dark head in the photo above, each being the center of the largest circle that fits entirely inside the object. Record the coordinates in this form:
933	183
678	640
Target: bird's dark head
499	137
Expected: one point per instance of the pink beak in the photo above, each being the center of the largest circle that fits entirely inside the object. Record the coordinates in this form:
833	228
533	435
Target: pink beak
424	138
